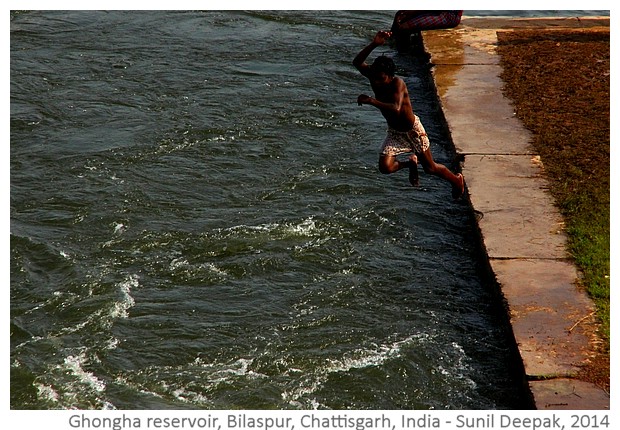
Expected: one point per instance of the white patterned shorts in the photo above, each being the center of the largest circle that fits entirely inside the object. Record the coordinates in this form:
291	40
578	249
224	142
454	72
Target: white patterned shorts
399	142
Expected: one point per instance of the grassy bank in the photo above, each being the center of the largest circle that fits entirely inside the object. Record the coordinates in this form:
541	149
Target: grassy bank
559	82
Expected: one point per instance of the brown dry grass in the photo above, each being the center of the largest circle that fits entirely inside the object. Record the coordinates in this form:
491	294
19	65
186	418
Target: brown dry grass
559	81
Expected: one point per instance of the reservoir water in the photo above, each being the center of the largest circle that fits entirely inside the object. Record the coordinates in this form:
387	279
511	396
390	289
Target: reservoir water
198	221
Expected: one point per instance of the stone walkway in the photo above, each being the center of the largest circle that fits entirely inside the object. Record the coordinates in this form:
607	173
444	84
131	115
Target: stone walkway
521	229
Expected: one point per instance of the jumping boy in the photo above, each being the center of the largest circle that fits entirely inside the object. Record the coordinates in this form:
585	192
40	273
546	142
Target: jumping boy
405	132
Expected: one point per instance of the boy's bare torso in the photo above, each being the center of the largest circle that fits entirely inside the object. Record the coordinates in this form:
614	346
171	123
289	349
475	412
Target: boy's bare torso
403	118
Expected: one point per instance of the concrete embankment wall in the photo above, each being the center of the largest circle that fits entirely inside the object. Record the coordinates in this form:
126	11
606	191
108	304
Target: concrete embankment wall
520	228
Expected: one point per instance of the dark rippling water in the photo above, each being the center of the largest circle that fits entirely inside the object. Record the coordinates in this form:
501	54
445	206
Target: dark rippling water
197	221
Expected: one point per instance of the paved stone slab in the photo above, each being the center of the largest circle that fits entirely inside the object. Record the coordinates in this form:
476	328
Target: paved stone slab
475	126
477	138
519	219
464	45
471	124
550	317
569	394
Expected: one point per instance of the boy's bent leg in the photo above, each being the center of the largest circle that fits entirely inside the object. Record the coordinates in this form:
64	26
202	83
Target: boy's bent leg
459	188
437	169
414	179
390	164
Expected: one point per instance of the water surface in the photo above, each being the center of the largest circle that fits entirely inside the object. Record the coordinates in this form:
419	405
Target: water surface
197	221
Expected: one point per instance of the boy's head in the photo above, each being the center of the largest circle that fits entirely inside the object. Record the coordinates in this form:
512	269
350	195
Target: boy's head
385	65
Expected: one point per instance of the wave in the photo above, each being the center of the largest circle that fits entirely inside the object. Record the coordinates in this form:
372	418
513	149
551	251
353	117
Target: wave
65	381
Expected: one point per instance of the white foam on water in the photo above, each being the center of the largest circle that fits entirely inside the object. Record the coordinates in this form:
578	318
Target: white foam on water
72	386
455	368
216	374
182	265
74	365
452	368
366	358
172	381
119	227
212	268
305	228
359	359
173	145
178	263
106	316
120	308
307	387
46	393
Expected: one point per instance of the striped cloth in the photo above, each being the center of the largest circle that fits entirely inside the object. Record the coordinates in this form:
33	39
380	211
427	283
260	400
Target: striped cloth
420	21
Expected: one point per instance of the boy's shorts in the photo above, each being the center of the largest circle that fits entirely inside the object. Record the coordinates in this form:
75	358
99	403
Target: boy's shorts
399	142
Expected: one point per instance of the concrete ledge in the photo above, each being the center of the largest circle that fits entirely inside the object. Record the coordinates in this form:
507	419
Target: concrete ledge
568	394
519	219
521	229
550	318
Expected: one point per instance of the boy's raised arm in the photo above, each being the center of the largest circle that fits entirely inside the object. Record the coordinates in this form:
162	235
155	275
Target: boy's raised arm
359	61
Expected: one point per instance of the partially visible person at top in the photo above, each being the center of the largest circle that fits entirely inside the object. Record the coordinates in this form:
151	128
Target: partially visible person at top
408	22
405	134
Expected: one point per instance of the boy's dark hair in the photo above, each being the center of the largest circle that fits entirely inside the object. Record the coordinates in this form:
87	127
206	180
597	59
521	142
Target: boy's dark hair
384	64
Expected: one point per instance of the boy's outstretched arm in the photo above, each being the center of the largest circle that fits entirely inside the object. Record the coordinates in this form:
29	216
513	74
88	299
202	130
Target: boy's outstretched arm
394	107
360	59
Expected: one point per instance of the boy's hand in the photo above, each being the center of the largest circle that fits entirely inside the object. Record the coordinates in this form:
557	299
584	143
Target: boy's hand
381	37
363	99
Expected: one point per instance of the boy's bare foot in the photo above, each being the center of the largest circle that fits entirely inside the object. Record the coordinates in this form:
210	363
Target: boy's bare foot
414	179
458	189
